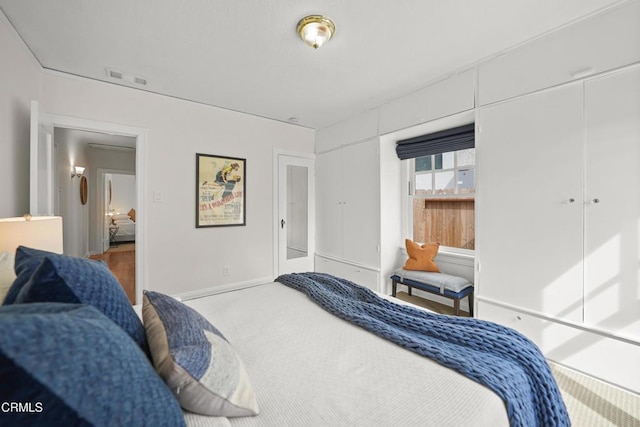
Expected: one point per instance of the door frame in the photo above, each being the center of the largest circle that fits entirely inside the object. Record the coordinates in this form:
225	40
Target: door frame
277	153
140	134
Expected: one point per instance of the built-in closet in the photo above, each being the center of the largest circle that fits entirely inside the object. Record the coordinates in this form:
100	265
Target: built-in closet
558	210
348	207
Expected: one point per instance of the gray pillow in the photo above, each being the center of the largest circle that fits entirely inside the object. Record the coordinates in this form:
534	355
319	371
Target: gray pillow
195	360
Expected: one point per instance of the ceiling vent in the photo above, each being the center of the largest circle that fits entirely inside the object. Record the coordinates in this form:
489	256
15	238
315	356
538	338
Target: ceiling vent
129	78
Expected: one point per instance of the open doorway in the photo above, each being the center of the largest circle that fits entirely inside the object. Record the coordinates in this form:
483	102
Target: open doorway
119	207
98	147
103	227
118	232
84	221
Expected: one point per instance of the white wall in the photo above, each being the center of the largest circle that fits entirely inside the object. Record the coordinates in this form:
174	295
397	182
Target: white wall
179	258
123	192
75	215
19	84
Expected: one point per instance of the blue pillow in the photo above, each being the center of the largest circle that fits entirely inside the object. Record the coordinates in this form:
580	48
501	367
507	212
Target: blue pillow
27	260
67	364
195	360
60	278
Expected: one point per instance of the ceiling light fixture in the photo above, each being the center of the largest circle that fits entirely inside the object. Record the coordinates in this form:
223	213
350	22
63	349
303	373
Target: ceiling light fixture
316	30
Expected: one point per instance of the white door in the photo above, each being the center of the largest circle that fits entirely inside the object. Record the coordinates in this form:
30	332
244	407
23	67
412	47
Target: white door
529	202
41	181
329	206
106	198
361	203
296	217
612	203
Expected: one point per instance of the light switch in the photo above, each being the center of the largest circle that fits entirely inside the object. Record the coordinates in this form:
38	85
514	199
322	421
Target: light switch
157	196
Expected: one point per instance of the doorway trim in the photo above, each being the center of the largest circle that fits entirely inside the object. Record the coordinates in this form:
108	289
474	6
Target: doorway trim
140	134
277	152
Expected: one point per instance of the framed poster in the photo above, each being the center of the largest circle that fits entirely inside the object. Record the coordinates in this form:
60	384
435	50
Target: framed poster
220	191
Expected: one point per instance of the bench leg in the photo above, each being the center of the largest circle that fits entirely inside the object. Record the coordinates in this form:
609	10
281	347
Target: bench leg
409	288
394	285
471	304
456	306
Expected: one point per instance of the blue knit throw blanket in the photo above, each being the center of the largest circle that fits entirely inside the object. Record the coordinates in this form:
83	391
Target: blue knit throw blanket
493	355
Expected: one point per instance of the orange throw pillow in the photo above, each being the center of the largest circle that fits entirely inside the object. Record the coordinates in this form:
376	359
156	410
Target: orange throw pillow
421	257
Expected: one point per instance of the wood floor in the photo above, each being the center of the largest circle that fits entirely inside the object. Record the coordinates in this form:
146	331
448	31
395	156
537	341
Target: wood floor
122	263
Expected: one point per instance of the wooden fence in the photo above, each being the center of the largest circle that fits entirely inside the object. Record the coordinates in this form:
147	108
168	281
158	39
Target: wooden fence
450	222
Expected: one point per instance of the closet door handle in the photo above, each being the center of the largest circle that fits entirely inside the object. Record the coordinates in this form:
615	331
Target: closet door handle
282	223
596	200
571	200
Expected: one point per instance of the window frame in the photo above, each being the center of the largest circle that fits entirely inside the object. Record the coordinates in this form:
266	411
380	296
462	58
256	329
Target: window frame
411	196
455	169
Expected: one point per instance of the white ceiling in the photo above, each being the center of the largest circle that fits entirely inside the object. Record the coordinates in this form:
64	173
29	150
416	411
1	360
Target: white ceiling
245	55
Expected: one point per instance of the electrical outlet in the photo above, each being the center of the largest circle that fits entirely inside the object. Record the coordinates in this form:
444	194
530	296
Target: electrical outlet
225	270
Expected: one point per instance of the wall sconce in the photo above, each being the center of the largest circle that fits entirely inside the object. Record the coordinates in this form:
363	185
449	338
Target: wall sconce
77	171
316	30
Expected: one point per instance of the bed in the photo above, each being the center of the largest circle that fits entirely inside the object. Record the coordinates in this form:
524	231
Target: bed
309	367
125	227
297	360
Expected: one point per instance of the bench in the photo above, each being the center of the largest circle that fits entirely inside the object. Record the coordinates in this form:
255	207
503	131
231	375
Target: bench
452	287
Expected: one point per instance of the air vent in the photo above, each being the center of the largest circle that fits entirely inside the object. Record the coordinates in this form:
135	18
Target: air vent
129	78
114	74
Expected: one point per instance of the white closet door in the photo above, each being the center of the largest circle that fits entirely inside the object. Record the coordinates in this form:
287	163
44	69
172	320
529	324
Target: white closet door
612	211
329	203
361	203
529	202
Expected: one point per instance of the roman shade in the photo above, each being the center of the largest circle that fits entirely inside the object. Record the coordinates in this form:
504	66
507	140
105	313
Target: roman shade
458	138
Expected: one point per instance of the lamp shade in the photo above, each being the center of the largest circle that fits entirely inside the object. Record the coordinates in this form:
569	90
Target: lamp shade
38	232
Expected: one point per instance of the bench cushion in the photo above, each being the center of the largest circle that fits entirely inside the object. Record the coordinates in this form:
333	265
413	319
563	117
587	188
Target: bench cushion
440	280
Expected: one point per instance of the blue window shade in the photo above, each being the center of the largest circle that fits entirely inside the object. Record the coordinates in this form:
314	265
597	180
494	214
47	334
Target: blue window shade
459	138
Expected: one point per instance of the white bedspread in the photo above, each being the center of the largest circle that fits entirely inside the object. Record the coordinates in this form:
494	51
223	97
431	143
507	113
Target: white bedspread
310	368
126	231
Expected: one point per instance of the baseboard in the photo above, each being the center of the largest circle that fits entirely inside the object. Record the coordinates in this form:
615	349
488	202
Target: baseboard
228	287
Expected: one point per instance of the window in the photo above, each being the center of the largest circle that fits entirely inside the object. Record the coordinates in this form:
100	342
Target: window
441	168
445	174
442	199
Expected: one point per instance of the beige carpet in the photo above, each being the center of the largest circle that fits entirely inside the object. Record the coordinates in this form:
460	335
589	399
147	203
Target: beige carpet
593	403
